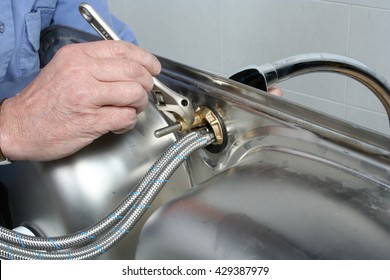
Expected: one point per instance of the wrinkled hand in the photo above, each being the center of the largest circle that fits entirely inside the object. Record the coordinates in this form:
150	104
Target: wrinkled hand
86	91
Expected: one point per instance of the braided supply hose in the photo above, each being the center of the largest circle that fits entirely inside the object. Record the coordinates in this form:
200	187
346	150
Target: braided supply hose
97	239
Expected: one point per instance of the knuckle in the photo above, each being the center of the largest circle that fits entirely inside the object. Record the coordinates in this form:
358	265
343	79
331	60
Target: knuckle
137	90
156	66
149	84
69	52
72	61
118	120
65	50
131	118
144	103
141	98
138	97
77	101
131	69
119	49
151	62
128	118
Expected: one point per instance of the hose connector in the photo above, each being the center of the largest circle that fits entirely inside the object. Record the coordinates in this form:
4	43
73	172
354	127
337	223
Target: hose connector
204	116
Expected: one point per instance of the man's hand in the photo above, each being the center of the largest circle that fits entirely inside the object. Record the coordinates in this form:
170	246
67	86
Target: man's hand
86	91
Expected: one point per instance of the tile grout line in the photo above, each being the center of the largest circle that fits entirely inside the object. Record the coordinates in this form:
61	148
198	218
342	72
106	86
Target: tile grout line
355	5
370	7
337	102
315	97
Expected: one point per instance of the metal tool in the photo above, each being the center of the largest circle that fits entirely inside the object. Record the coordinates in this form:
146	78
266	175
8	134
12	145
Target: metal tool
179	107
97	22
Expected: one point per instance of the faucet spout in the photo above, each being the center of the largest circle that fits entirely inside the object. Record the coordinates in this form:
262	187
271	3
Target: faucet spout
290	67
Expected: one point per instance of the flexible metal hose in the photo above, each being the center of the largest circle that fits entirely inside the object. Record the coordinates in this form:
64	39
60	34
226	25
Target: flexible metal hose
111	229
86	236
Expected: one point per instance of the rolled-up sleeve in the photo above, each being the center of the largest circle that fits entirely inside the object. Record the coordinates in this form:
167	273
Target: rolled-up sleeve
67	13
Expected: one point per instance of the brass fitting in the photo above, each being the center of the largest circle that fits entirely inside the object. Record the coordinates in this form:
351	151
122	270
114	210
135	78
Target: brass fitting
202	116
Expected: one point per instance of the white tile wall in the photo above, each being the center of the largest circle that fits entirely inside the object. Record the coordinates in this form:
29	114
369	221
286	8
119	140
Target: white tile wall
225	35
369	119
277	29
338	1
380	4
370	42
183	30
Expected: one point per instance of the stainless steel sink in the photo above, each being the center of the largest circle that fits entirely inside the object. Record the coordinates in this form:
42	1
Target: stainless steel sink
287	183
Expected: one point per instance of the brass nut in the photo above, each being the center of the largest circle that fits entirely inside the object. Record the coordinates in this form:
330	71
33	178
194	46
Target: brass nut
204	114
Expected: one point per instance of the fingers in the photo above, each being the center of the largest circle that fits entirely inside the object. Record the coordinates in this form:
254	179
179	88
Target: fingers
121	49
112	62
120	94
116	119
120	69
114	73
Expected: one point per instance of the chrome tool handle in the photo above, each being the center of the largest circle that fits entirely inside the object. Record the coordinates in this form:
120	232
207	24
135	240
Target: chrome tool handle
94	19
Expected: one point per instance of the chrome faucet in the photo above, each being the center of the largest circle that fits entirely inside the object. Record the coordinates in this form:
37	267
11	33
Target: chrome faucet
290	67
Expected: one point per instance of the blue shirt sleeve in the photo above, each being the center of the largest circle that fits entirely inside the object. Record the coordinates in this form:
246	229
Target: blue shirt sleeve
21	23
67	13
